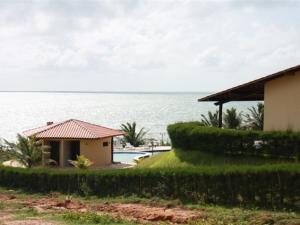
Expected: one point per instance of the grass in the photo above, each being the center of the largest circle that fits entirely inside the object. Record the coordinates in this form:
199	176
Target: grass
90	218
183	158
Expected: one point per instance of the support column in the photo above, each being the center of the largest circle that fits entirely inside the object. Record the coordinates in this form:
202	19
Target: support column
220	115
43	153
112	149
61	153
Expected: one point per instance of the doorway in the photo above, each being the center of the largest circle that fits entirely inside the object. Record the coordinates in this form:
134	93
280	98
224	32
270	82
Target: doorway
54	151
75	149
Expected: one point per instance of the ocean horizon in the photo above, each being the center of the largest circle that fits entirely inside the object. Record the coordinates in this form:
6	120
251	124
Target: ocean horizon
22	110
113	92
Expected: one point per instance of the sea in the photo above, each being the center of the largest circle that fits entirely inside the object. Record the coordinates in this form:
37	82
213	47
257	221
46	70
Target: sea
153	111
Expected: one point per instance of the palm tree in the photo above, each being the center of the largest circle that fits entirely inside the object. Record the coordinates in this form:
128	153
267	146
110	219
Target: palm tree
132	136
232	119
255	117
27	151
212	119
3	157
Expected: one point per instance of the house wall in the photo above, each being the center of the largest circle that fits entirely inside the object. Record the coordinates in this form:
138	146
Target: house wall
94	151
282	103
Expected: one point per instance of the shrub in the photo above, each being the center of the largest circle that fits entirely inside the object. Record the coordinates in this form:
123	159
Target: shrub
93	218
276	144
268	186
81	162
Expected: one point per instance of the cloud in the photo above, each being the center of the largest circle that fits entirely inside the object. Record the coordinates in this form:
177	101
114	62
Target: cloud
182	45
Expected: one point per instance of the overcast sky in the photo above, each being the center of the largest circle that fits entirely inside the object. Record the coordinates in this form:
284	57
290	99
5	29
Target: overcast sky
144	45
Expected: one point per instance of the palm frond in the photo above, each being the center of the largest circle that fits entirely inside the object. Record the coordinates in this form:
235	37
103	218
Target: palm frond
131	135
211	120
255	118
25	150
232	119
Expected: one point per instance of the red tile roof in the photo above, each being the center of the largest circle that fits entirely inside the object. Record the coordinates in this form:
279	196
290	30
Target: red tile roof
72	128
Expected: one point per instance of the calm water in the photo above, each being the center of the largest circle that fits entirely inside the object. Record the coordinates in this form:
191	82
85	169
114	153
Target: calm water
21	111
126	157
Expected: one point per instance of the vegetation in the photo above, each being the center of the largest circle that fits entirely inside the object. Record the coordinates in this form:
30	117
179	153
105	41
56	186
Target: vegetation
210	215
81	162
192	136
211	120
90	218
232	119
229	185
255	117
178	158
132	136
26	151
252	120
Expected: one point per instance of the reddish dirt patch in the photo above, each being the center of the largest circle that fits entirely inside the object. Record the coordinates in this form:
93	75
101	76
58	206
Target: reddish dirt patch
6	197
28	222
144	213
6	218
133	212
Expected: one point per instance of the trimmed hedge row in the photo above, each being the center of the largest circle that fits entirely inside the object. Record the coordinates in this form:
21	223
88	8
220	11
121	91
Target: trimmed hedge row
267	186
194	136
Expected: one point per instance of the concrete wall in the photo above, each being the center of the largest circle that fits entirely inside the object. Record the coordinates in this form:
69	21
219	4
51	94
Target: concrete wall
94	151
282	103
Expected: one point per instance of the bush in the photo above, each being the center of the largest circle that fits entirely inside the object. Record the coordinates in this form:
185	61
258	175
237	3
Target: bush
267	186
81	162
276	144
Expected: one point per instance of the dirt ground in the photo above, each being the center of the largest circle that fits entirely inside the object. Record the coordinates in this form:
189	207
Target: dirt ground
18	208
7	218
130	212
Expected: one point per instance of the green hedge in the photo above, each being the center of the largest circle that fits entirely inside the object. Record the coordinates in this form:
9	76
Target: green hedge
194	136
266	186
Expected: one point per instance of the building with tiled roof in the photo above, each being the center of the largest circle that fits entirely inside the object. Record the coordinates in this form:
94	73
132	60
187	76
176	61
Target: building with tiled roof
72	137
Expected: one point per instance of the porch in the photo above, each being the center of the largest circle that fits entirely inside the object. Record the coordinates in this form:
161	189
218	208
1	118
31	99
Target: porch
61	151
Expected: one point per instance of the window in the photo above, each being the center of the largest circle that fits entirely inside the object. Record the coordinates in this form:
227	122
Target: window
105	143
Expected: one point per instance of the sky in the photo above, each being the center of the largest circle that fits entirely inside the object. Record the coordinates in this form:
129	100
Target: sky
131	45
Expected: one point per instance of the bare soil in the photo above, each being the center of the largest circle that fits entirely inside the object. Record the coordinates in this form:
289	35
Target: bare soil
7	218
131	212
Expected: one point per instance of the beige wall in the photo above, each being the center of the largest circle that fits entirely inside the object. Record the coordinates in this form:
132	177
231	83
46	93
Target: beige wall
282	103
94	151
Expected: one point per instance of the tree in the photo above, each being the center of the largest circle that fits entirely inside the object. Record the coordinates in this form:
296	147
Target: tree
232	119
25	150
132	136
255	118
212	119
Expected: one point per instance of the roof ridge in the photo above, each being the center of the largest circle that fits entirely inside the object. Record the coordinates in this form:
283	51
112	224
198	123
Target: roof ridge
49	127
88	130
96	125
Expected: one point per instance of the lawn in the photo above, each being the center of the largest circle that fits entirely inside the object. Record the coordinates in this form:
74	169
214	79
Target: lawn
193	158
18	207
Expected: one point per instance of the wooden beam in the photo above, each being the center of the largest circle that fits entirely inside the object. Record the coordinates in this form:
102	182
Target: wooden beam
220	103
242	97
